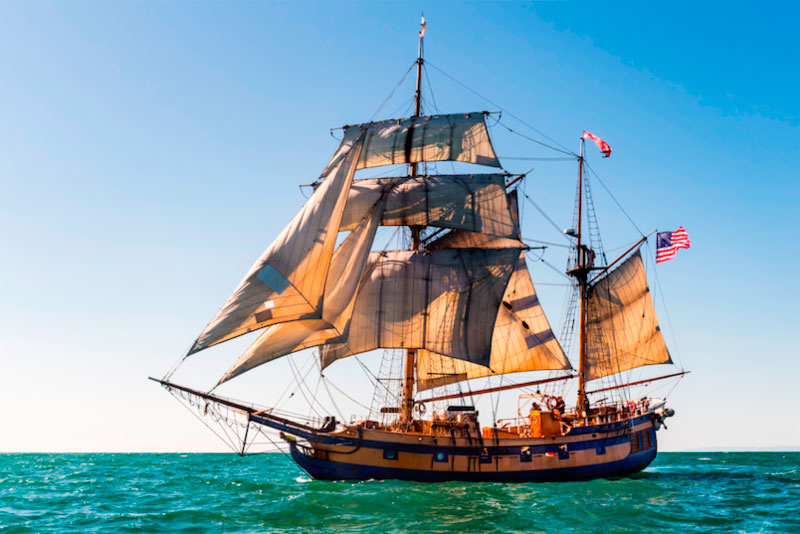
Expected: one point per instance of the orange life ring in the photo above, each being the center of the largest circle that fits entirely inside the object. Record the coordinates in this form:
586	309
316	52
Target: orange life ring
551	403
631	407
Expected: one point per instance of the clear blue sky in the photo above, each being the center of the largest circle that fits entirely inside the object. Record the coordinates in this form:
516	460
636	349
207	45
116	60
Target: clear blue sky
150	151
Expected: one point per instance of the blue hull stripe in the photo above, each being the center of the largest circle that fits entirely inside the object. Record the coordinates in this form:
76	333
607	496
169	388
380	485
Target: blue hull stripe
328	470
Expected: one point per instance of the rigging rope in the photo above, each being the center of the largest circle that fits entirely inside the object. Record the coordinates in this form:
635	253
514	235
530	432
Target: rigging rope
565	149
612	197
531	158
551	221
396	87
568	152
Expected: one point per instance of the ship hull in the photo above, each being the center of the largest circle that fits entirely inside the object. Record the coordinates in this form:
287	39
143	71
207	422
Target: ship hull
601	451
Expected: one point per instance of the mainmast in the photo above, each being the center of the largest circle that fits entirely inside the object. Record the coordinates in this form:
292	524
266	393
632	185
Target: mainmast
584	260
407	406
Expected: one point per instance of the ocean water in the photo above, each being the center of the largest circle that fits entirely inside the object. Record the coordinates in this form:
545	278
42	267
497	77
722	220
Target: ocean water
679	492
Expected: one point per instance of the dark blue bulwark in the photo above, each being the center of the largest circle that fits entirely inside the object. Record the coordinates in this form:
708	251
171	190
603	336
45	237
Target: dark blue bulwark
328	470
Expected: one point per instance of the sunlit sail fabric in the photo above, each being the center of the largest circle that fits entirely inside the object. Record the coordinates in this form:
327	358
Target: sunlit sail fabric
467	239
622	329
471	202
458	137
287	281
344	276
522	340
445	301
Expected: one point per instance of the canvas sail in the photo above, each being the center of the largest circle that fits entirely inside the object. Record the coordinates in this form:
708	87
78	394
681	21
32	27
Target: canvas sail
522	340
445	301
470	202
344	276
287	281
622	329
457	137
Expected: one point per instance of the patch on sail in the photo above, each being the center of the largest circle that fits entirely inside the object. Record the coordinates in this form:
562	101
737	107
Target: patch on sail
274	280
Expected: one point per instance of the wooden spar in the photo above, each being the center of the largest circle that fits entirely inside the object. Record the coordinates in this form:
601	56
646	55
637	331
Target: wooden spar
515	180
225	402
638	382
610	265
498	388
407	404
580	271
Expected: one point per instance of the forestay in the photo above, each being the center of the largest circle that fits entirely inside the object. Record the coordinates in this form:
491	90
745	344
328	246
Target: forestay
457	137
287	281
622	328
522	340
470	202
445	301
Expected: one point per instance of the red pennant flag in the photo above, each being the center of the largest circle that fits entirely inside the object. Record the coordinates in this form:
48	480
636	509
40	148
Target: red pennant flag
600	143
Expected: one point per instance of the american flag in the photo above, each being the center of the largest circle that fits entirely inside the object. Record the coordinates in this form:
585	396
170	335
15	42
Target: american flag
668	243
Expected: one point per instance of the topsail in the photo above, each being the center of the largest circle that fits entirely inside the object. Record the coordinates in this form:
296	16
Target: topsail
457	137
475	202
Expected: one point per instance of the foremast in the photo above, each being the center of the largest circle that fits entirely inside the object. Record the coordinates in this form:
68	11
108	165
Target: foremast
407	404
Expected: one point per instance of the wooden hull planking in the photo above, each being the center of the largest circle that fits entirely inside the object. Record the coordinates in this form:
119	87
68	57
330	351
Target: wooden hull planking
608	450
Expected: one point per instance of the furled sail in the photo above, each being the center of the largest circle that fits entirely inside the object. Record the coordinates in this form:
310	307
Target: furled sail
445	301
522	340
287	281
341	285
470	202
622	329
458	137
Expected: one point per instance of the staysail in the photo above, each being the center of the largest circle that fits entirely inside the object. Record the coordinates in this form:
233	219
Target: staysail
341	286
622	329
444	301
476	202
287	281
457	137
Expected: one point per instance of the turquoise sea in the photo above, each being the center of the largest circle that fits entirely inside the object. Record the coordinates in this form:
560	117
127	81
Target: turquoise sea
679	492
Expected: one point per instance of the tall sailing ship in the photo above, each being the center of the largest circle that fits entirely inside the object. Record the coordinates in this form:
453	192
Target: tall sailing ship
455	305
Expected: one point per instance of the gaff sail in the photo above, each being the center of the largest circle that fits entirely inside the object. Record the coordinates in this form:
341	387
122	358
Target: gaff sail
622	329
